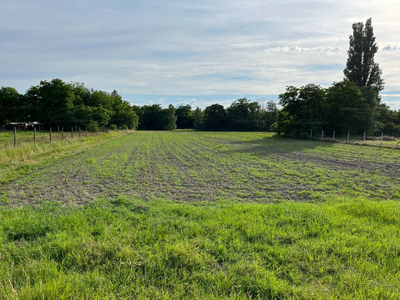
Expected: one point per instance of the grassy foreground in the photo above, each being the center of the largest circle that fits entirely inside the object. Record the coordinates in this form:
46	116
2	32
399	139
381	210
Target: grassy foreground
26	157
197	215
133	249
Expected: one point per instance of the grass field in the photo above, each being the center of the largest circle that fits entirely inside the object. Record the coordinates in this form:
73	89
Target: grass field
202	215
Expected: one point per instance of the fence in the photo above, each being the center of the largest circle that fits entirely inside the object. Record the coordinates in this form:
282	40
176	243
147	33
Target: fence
383	140
34	136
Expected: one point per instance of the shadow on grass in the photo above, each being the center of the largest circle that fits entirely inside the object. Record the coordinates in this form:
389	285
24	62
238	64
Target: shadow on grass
275	145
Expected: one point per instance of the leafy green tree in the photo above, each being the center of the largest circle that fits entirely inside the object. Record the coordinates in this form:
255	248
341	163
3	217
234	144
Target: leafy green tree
93	126
184	117
348	109
215	117
52	101
170	122
198	116
101	115
152	117
361	67
242	115
303	109
268	116
11	105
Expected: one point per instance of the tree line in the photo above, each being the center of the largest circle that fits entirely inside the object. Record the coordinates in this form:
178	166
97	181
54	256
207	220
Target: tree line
55	103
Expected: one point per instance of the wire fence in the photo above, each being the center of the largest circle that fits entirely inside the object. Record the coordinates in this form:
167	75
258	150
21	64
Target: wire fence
17	137
381	140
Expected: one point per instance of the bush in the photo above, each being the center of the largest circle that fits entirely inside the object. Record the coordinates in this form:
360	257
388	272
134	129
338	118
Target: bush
304	135
113	127
124	127
93	126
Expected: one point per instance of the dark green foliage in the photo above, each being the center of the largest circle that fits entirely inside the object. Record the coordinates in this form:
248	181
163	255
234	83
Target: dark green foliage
66	104
243	114
184	117
154	117
304	135
348	110
170	120
361	67
93	126
10	105
303	109
198	116
215	117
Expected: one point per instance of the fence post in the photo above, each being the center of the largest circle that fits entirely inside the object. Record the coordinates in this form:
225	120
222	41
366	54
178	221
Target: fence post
311	133
364	138
334	133
50	134
348	137
381	140
62	133
322	136
34	135
15	136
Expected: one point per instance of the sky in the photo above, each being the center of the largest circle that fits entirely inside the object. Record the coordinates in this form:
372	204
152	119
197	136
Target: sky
192	52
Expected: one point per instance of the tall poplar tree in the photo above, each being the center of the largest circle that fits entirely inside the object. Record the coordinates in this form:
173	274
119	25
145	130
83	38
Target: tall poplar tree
361	67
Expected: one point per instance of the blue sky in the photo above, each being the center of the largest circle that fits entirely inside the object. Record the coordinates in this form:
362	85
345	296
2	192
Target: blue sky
197	52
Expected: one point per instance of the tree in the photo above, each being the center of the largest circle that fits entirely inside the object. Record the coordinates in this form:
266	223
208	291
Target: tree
54	101
303	109
198	116
184	117
348	109
215	117
11	105
170	121
361	67
242	115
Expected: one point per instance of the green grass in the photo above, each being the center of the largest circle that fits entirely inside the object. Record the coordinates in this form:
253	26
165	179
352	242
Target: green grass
127	248
204	215
27	157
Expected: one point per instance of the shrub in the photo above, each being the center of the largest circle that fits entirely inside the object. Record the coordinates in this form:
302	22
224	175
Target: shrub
304	135
93	126
113	127
124	127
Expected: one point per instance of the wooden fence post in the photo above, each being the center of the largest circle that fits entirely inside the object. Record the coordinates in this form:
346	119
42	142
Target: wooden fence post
311	133
334	133
15	136
381	140
34	135
364	138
